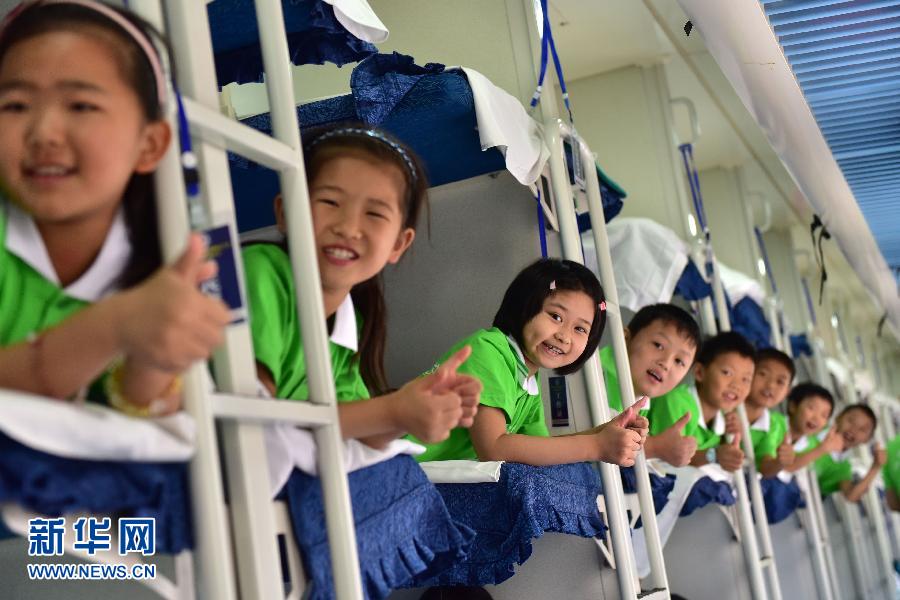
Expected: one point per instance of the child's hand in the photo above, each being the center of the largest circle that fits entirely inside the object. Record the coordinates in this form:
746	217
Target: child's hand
785	454
729	455
639	423
429	407
732	423
616	442
879	455
834	441
166	322
673	446
468	388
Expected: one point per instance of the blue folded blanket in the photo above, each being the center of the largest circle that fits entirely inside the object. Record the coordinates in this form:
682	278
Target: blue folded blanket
509	514
314	37
55	486
705	491
403	529
781	499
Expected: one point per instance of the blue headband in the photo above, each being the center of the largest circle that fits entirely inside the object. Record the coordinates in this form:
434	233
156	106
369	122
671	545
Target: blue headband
373	135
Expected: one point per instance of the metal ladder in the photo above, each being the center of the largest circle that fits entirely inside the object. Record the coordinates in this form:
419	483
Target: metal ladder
238	413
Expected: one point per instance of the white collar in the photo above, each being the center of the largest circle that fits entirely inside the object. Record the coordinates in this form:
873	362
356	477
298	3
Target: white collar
526	382
718	427
344	333
24	240
763	422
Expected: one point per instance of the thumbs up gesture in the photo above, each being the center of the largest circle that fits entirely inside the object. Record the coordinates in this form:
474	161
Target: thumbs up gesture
635	421
672	446
834	441
785	453
729	454
429	407
619	440
165	322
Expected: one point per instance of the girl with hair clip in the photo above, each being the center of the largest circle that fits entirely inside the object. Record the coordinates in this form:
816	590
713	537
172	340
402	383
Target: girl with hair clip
367	191
552	317
83	292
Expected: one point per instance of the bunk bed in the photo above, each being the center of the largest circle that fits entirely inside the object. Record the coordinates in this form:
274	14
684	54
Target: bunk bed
463	128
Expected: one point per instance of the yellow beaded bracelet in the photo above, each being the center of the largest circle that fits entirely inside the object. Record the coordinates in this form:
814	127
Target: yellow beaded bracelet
113	388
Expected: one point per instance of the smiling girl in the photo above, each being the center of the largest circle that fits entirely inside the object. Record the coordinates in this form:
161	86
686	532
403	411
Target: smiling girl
367	191
551	317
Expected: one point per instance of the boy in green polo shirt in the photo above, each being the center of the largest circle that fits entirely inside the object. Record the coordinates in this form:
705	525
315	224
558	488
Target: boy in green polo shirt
768	428
662	340
854	426
723	374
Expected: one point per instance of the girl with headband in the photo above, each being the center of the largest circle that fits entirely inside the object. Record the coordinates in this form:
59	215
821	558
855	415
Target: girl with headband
86	307
367	192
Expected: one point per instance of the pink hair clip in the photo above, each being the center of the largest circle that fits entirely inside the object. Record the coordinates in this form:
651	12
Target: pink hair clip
553	285
602	305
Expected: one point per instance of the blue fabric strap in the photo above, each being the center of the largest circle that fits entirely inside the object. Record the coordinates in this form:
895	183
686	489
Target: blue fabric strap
549	46
542	225
687	157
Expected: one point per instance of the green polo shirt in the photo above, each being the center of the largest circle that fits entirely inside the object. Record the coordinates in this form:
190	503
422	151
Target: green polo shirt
830	472
275	328
497	362
668	408
766	443
891	470
29	303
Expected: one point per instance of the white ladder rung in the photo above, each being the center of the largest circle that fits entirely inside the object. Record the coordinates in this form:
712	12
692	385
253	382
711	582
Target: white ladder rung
654	595
259	410
215	128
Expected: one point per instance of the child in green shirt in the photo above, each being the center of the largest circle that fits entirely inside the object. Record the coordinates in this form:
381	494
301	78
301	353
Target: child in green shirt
809	407
83	291
768	428
551	317
723	374
367	191
855	425
662	340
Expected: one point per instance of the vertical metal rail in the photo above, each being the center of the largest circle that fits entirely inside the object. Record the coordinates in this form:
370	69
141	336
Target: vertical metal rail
335	489
244	451
745	516
213	561
756	497
809	518
620	532
657	578
759	510
818	513
849	513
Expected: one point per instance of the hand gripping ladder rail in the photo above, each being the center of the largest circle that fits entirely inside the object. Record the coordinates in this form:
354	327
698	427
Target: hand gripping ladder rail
241	415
